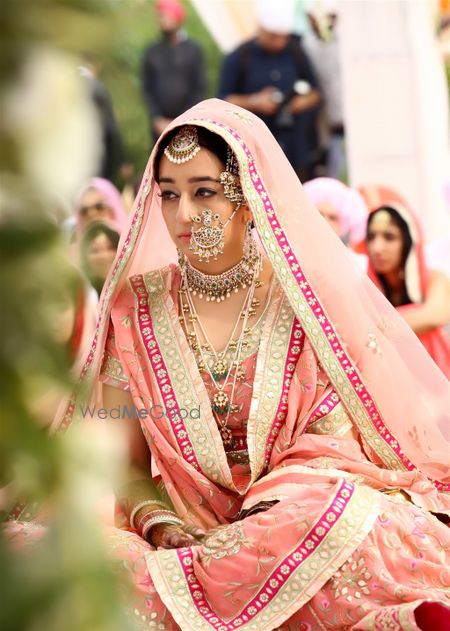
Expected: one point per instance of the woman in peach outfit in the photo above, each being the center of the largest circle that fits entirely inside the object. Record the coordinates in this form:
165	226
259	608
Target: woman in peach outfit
289	460
397	265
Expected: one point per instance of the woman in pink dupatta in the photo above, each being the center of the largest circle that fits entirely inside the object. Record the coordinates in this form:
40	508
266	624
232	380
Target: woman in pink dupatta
321	511
397	265
99	200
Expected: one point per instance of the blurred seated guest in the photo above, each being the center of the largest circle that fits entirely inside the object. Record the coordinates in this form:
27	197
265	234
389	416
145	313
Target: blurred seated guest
173	69
99	200
396	265
321	43
72	317
98	250
271	75
343	208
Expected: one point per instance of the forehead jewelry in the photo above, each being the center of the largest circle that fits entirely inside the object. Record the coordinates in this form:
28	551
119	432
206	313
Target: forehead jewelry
184	145
381	218
230	179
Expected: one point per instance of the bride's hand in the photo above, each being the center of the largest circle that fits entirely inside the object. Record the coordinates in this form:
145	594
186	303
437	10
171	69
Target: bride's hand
169	536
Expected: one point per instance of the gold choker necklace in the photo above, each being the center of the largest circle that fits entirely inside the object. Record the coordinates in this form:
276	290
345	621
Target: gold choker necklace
217	287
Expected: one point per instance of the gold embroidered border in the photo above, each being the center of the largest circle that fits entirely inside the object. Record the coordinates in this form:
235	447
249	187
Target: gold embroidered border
303	309
268	382
273	484
352	527
113	369
202	432
336	422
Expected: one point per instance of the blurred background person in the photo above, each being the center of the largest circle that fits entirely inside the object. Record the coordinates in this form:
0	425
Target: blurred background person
321	43
71	316
173	71
271	75
112	148
97	253
99	200
397	266
343	208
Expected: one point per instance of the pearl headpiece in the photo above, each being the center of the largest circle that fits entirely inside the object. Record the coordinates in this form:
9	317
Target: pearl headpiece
184	145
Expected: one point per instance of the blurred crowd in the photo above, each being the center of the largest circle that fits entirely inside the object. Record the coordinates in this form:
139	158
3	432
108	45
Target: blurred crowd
293	82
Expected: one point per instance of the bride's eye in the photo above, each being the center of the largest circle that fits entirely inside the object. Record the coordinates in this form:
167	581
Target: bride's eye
166	195
206	192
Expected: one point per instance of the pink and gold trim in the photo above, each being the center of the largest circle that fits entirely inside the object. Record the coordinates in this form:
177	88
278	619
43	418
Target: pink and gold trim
306	304
342	526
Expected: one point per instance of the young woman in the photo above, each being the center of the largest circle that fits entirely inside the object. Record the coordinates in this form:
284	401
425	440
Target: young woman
397	267
98	251
290	455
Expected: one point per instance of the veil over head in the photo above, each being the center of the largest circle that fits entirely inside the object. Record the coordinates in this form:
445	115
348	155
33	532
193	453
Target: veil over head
416	274
396	396
111	196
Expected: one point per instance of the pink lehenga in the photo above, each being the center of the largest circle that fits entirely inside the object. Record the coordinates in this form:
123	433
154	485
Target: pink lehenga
342	429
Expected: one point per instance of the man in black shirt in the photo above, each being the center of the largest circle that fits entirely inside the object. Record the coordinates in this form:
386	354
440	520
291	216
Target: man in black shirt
173	74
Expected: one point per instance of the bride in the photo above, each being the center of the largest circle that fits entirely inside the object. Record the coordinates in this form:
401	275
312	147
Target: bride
289	447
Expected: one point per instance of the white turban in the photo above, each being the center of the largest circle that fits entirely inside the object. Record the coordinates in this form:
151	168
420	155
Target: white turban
276	16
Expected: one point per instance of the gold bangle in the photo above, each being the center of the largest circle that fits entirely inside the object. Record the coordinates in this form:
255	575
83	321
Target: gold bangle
158	517
143	504
141	521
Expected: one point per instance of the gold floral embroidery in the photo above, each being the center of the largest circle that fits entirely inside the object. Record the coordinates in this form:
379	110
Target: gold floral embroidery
113	368
223	542
351	580
268	382
172	574
373	343
242	115
336	422
396	618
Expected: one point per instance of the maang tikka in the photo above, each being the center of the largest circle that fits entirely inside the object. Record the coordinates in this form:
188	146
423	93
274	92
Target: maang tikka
184	145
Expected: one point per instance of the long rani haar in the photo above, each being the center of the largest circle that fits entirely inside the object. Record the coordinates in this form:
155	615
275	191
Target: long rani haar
220	373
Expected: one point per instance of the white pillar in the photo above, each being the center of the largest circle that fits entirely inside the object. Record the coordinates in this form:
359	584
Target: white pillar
396	103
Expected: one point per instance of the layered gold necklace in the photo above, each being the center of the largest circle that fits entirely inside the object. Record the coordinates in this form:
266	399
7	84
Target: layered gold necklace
221	371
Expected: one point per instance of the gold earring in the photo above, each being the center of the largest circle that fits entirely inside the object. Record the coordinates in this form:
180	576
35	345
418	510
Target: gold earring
230	179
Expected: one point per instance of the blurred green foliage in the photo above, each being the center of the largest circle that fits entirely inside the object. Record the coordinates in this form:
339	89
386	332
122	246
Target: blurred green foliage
66	582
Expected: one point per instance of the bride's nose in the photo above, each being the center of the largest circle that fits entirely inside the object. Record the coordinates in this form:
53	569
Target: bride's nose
186	210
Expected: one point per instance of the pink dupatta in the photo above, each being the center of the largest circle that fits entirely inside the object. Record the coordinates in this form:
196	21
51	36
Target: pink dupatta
362	342
350	358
